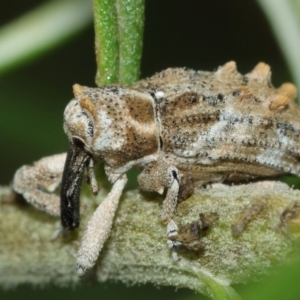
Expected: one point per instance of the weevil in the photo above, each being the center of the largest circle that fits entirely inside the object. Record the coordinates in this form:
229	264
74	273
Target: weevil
182	128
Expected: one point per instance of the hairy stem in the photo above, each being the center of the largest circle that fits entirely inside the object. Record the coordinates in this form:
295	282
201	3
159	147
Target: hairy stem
118	37
106	41
136	251
131	25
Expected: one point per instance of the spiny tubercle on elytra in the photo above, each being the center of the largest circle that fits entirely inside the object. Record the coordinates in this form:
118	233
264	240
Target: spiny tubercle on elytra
183	128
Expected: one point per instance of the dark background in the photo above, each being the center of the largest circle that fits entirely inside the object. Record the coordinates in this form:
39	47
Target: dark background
198	34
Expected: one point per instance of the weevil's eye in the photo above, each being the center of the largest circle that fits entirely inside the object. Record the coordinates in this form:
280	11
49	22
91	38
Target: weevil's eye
78	142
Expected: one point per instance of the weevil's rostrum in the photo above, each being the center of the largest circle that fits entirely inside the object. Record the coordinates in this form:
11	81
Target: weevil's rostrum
183	128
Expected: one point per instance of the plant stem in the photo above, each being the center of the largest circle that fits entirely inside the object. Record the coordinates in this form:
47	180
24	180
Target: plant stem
137	252
106	41
118	31
131	25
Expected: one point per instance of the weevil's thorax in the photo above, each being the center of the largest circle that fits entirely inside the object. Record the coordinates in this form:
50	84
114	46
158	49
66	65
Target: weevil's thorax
116	124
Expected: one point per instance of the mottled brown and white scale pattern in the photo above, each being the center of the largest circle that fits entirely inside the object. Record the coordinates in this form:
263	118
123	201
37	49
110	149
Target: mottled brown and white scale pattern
227	123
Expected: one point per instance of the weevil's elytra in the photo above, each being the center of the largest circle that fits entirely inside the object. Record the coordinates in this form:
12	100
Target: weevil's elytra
183	128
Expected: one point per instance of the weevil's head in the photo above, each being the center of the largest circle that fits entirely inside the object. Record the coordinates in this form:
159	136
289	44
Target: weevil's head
93	121
114	124
79	119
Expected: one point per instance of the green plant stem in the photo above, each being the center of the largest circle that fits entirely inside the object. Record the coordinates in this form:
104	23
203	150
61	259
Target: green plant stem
41	29
118	40
131	25
217	290
284	18
106	41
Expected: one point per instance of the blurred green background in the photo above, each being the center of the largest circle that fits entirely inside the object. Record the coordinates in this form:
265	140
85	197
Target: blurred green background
198	34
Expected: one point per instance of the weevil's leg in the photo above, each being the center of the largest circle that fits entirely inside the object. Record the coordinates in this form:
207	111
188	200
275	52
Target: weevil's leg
170	202
99	227
157	175
37	183
172	229
172	232
92	178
